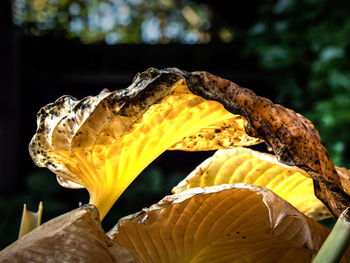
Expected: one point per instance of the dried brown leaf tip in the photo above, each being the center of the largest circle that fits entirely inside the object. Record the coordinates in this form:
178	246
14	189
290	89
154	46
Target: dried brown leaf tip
293	138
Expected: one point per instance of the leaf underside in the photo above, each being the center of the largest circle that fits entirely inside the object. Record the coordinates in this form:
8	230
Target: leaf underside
93	142
102	143
227	223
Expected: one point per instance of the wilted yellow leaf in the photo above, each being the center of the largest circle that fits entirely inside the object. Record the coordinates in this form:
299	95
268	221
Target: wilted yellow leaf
73	237
227	223
241	165
102	143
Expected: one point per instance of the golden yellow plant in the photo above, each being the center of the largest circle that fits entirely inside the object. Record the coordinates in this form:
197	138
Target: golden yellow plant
222	212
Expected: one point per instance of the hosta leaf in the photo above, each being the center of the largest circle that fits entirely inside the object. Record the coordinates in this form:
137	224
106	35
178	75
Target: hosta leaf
73	237
241	165
102	143
227	223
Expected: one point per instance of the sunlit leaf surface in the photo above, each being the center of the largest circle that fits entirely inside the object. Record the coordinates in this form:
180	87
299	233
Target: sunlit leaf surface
227	223
73	237
102	143
241	165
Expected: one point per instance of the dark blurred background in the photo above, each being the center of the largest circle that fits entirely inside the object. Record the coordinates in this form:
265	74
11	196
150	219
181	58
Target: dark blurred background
295	52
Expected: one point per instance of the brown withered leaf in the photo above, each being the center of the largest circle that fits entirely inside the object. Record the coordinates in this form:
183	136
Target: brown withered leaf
76	236
344	175
292	137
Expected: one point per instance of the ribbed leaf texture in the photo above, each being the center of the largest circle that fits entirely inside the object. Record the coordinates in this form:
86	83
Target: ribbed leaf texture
227	223
102	143
241	165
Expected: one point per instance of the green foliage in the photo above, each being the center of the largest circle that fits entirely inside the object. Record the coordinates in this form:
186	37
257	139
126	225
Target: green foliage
124	21
337	242
304	47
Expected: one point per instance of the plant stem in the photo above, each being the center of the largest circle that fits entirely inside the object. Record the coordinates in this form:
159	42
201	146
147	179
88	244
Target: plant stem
337	242
30	220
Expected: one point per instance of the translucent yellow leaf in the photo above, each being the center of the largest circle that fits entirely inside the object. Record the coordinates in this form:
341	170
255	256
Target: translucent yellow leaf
227	223
73	237
102	143
242	165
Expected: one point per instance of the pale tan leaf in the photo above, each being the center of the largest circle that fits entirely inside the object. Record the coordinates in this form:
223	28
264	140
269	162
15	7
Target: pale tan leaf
227	223
73	237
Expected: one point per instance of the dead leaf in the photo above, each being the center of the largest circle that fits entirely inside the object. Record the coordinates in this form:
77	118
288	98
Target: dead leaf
73	237
293	138
344	175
